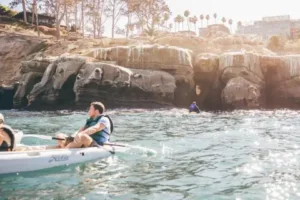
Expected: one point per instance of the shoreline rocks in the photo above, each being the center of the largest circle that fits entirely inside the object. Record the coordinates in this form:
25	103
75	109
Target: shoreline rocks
148	73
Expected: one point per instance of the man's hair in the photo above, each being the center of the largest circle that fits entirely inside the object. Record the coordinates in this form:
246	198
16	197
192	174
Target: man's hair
98	106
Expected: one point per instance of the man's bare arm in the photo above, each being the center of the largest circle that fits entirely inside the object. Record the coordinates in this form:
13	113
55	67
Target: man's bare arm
80	130
93	129
1	138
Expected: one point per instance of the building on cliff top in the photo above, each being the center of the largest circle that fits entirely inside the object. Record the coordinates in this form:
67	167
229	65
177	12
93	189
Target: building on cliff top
275	25
43	19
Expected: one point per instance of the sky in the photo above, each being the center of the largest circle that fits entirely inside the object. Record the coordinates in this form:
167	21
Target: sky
237	10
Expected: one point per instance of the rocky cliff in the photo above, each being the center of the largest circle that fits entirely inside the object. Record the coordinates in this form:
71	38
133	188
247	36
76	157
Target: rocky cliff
229	72
249	80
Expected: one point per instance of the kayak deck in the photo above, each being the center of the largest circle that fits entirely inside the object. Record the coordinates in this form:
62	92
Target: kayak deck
37	159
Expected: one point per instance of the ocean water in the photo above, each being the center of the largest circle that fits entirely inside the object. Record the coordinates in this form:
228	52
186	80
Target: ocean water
227	155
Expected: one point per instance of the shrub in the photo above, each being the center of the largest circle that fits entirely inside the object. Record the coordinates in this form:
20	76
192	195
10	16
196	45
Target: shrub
6	11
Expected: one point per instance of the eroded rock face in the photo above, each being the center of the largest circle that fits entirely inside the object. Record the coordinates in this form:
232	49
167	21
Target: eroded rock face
25	85
243	80
6	97
246	65
206	67
176	61
56	86
282	80
153	86
231	80
100	82
36	65
13	49
118	86
206	70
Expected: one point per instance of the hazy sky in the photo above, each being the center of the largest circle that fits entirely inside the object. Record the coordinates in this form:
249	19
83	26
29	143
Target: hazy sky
237	10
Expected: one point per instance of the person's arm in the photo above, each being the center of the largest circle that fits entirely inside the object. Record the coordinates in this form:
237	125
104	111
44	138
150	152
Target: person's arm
93	129
80	130
1	138
102	124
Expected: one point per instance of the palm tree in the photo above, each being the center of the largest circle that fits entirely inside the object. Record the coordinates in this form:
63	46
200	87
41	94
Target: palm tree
215	16
166	19
224	20
207	18
194	20
201	18
191	20
176	21
156	21
187	14
230	23
181	20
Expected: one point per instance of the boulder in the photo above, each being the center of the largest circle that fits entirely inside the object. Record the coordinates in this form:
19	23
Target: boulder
153	86
240	93
56	87
25	85
117	86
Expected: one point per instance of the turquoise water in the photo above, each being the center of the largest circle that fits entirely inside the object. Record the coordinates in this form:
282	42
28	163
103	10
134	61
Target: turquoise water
230	155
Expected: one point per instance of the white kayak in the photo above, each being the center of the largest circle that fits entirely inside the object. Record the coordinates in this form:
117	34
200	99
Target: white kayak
32	160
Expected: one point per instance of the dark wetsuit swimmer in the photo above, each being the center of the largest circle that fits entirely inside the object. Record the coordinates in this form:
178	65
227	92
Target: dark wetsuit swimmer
194	108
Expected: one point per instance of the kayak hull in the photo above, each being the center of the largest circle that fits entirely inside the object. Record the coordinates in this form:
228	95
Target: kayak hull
26	161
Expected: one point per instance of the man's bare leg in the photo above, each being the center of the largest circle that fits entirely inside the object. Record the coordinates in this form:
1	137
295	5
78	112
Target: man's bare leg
80	140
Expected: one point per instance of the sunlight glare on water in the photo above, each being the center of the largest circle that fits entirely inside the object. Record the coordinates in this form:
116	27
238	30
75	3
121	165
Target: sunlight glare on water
228	155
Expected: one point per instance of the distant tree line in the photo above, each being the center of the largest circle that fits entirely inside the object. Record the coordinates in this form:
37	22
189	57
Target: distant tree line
91	15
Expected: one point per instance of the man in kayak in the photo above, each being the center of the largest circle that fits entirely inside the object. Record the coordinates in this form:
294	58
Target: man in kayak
194	107
96	130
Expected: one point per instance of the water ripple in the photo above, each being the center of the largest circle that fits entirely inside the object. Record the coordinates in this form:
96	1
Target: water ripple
224	155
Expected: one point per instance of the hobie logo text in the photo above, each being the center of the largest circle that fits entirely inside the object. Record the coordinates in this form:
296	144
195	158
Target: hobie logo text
58	158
